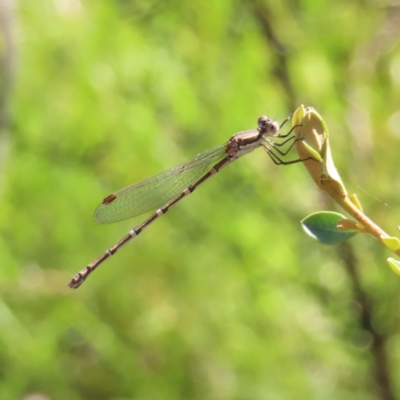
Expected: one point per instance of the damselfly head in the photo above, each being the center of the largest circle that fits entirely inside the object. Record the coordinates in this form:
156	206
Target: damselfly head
267	126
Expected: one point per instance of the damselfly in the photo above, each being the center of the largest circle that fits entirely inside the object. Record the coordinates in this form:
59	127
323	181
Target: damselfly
168	188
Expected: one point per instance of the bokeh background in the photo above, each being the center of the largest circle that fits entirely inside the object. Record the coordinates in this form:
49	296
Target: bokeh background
225	297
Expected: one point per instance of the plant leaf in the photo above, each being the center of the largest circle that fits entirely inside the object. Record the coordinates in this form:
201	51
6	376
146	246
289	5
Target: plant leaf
356	202
312	152
394	264
393	243
322	226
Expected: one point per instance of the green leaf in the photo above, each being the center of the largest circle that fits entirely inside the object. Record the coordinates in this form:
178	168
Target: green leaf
313	153
394	264
393	243
356	202
322	226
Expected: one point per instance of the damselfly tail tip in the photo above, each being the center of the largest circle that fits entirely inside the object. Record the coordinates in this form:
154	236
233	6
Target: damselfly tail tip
76	281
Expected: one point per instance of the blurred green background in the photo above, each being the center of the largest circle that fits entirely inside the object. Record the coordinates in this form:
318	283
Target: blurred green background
225	297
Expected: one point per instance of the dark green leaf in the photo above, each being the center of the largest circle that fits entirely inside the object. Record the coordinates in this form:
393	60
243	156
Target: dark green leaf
322	226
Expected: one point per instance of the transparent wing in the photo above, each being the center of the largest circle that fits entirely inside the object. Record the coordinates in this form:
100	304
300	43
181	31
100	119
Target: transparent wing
157	190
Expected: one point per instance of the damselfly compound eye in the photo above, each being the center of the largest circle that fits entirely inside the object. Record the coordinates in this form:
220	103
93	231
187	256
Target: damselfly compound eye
262	121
